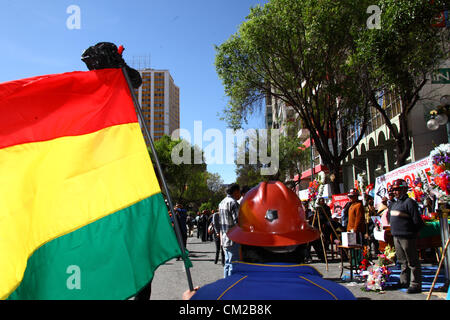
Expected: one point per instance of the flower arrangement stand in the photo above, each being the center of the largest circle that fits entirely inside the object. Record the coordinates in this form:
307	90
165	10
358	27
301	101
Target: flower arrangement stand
352	252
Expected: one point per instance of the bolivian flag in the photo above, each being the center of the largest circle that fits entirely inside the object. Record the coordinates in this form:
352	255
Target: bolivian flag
81	211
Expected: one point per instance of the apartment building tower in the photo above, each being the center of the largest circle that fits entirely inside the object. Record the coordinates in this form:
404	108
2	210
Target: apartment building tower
159	98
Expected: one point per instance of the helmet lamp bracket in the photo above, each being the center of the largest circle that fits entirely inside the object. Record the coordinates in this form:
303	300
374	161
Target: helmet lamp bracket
271	215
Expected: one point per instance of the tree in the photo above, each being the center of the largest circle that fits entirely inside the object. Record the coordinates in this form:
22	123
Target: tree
216	188
216	192
291	156
248	172
299	51
187	182
399	57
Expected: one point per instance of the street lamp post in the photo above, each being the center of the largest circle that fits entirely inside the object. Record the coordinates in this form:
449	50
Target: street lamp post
439	116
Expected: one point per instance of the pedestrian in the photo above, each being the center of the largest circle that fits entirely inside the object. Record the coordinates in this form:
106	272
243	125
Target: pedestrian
356	217
344	215
391	196
197	224
244	190
308	216
203	225
228	213
216	226
406	222
316	244
357	222
181	216
272	234
324	213
210	228
190	225
370	225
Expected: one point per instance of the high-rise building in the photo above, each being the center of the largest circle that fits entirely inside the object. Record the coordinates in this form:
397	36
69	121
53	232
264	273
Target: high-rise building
159	98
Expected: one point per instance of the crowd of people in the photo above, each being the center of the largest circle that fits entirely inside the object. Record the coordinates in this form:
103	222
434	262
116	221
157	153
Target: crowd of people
259	234
211	226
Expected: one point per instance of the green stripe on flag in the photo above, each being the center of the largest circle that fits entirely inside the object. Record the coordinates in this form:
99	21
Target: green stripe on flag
112	258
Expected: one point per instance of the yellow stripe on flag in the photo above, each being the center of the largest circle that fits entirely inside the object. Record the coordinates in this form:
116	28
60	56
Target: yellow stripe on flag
69	183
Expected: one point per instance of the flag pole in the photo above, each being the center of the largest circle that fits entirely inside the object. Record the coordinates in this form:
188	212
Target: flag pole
137	107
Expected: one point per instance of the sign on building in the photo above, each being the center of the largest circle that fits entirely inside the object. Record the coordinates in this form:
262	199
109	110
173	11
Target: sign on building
441	76
409	173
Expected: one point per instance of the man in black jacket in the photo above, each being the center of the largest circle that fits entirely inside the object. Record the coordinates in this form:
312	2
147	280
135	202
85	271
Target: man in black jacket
406	222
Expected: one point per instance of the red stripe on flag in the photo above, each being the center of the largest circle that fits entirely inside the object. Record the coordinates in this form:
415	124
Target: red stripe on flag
69	104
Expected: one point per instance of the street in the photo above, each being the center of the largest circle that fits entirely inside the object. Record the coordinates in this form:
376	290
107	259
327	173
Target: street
170	280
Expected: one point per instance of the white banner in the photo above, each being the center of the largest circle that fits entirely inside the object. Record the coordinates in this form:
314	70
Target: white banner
408	172
304	194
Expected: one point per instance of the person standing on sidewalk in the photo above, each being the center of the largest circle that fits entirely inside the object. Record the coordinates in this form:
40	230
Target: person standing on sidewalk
190	225
202	225
357	222
406	222
210	235
216	226
244	190
181	215
228	216
356	216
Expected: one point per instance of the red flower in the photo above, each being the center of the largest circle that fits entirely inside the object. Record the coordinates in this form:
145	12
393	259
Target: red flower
438	169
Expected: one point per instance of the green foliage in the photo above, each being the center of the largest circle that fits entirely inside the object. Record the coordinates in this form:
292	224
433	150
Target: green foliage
406	48
290	159
206	206
285	43
292	156
189	183
319	57
249	172
300	52
399	58
186	181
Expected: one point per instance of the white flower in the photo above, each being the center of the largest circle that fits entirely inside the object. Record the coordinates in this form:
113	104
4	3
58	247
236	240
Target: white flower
442	149
321	177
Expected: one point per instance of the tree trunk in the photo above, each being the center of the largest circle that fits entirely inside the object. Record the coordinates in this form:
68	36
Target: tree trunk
335	185
403	141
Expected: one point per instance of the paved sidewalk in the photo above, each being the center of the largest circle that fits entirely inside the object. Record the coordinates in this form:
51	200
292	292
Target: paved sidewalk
170	279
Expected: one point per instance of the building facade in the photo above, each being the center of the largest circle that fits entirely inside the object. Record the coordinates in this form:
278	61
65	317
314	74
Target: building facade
376	153
159	98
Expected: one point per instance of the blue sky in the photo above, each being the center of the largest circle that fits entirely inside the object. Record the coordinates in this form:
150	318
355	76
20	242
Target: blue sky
179	35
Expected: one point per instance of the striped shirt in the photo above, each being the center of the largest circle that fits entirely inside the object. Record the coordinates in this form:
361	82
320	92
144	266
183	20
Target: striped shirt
228	213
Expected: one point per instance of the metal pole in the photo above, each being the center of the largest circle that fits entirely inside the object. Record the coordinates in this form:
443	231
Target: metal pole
439	268
161	175
312	157
448	131
443	220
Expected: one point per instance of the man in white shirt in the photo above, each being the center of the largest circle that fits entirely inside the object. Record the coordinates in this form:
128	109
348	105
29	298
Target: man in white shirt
228	213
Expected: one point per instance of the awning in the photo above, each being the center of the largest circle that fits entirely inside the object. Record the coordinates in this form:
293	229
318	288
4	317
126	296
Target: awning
307	173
